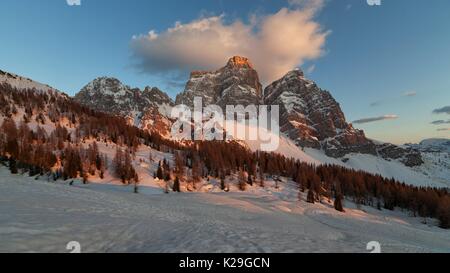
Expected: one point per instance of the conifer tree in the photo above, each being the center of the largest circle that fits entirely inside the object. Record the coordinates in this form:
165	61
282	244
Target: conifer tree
159	172
136	183
242	181
310	198
222	183
13	166
444	213
176	185
338	203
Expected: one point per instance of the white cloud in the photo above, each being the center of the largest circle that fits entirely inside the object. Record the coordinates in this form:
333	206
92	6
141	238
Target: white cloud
374	119
274	43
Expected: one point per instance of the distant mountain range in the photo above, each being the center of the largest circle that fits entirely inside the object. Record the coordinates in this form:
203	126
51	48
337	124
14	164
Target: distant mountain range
433	145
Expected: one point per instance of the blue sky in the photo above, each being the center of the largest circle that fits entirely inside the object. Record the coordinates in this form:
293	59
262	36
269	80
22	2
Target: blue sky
376	61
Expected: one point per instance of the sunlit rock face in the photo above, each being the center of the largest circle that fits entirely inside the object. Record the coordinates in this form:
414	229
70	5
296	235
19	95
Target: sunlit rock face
313	118
237	83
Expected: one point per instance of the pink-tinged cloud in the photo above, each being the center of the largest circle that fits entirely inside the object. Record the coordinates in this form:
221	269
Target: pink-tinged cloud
274	43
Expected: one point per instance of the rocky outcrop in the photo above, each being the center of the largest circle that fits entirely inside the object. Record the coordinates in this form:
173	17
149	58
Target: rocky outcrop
148	109
237	83
408	156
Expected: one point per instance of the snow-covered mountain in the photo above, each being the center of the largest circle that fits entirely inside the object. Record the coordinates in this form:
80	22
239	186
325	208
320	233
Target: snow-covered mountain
433	145
23	83
436	156
312	118
148	109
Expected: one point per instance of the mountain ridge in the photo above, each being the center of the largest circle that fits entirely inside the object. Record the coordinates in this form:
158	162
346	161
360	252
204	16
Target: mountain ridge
310	116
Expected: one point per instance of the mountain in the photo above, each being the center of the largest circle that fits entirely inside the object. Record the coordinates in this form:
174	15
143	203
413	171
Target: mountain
436	145
435	153
309	116
23	83
237	83
147	109
58	118
312	118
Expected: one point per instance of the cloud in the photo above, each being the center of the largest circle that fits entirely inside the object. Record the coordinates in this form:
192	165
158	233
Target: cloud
443	110
440	122
443	129
403	95
376	103
311	69
374	119
274	43
314	5
410	94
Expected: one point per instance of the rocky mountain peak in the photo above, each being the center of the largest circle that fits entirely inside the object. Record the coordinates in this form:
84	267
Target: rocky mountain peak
312	117
239	62
106	86
296	73
235	83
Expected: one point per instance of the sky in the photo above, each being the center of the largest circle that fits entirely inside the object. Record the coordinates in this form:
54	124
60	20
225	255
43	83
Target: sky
388	66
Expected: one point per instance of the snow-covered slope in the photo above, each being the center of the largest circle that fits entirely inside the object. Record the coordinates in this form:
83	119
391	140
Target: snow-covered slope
436	166
285	146
436	156
419	176
428	174
20	82
38	216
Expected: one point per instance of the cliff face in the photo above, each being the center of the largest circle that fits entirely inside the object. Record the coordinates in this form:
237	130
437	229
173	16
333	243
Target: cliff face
312	118
237	83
